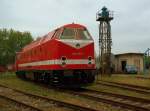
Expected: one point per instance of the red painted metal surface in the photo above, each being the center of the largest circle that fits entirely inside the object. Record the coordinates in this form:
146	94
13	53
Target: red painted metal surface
51	48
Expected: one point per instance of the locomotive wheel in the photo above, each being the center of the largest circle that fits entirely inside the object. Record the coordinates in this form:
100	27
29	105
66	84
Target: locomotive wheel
41	77
91	79
46	78
21	74
35	77
55	79
38	77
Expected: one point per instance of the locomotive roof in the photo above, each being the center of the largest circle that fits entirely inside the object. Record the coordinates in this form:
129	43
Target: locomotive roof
48	36
73	25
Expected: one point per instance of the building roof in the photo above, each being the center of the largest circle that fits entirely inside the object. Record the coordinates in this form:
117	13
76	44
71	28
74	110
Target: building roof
130	53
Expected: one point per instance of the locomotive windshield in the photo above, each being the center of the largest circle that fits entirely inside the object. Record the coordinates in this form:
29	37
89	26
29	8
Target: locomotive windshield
68	33
83	34
73	33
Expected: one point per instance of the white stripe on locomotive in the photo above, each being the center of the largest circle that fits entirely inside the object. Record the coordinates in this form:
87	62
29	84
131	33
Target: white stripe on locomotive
73	43
58	62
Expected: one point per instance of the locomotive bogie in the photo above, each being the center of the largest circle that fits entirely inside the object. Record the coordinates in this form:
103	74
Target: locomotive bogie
63	78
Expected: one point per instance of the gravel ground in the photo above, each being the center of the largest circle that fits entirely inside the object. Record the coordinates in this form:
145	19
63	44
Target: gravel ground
10	106
42	104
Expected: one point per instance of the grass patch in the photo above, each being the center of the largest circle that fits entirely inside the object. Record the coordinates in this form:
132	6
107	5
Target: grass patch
128	79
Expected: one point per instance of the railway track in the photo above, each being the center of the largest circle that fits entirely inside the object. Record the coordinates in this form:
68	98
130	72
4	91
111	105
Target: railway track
117	100
139	89
139	77
20	104
128	102
129	85
39	103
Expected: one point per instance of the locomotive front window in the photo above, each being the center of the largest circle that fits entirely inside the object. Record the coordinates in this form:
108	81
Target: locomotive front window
68	33
83	34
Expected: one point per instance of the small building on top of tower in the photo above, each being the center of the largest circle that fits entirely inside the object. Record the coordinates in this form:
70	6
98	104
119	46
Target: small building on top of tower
104	14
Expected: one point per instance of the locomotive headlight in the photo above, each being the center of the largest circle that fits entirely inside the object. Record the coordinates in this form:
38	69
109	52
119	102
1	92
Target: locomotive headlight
77	45
63	59
90	60
63	63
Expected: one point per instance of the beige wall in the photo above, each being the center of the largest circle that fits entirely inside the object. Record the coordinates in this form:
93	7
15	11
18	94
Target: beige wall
131	59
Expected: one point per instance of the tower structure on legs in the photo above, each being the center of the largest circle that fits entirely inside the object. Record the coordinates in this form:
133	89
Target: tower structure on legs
104	16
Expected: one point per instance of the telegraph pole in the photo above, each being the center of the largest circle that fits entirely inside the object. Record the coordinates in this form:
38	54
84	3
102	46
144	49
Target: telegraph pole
104	16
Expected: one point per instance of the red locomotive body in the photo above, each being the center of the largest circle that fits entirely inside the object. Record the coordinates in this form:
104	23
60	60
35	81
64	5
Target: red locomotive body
64	56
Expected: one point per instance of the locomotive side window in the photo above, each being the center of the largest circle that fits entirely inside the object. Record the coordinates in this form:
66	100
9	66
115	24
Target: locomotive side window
68	33
56	33
83	34
18	56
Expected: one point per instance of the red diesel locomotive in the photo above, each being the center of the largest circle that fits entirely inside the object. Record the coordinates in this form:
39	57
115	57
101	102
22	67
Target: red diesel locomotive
63	57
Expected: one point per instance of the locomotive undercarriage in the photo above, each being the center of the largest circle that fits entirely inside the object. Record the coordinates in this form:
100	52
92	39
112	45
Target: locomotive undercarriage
69	78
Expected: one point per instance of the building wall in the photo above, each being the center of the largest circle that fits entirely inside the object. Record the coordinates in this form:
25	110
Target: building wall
131	59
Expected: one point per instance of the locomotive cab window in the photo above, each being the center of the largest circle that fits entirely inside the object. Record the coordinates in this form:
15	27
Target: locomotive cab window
18	57
68	33
83	34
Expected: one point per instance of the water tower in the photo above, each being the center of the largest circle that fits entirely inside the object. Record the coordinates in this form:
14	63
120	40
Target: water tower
104	16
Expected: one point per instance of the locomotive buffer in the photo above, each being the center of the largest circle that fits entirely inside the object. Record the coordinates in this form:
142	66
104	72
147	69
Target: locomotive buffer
105	42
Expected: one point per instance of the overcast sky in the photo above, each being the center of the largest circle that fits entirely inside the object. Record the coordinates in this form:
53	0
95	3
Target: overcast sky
130	27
